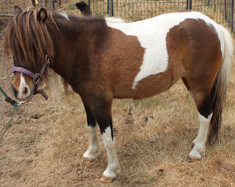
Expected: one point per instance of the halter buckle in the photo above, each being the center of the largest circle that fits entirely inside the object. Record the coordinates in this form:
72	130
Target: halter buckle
38	76
48	62
36	80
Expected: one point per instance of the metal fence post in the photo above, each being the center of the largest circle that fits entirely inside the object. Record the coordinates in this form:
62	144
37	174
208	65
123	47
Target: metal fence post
111	7
53	4
89	3
189	5
232	15
108	7
225	9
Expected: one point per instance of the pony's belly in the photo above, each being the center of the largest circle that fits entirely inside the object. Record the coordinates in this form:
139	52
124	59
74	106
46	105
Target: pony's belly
148	87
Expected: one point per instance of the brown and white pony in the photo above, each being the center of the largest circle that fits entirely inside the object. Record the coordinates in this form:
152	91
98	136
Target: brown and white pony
105	58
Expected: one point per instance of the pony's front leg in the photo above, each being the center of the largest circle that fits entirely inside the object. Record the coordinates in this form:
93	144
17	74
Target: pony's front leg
113	165
93	149
104	120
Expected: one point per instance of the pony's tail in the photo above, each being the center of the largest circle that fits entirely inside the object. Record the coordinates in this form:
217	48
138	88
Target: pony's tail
218	92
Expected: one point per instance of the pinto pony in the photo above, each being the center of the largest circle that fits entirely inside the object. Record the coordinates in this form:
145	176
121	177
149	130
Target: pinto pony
105	58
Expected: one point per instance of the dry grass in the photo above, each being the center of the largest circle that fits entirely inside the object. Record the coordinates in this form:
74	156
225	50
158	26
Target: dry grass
44	147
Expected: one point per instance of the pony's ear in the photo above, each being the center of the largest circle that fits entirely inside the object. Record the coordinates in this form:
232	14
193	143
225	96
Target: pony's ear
84	8
42	15
17	10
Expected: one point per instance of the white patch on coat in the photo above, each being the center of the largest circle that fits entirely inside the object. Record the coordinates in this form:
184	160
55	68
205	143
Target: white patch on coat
93	149
65	15
152	33
21	89
200	141
113	165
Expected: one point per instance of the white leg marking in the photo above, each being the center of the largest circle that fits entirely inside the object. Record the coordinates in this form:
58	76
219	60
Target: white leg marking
113	165
200	141
93	149
23	85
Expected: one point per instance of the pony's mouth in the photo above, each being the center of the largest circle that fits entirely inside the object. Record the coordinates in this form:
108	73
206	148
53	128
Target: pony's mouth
28	98
25	99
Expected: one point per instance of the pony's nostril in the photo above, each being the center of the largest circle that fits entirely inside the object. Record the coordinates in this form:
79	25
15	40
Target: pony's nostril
25	90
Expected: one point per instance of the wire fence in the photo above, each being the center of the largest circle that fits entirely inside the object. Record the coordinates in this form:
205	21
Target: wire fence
222	11
7	111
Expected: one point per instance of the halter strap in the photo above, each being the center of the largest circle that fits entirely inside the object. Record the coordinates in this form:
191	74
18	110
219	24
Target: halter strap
25	71
36	77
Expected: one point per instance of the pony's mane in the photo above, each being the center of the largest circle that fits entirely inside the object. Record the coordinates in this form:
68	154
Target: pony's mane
28	38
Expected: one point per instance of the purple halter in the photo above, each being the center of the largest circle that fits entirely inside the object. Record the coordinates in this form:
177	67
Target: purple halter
36	77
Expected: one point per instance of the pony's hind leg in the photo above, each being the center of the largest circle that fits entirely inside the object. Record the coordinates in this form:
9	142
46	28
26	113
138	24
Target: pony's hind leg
202	98
200	141
204	114
203	102
93	149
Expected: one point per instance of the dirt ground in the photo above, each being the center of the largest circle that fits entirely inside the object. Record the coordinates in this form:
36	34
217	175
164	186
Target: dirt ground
45	143
42	142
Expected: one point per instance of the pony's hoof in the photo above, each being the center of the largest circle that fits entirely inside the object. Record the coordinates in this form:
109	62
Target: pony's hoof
193	157
107	179
88	160
90	157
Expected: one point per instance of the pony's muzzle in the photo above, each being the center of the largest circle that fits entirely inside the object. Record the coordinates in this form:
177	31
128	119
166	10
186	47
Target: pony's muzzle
23	93
22	86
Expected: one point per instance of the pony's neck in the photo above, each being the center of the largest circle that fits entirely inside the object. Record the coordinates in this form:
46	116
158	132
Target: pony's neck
74	42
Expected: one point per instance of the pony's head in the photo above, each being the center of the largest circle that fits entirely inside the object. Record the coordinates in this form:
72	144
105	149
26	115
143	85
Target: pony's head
30	43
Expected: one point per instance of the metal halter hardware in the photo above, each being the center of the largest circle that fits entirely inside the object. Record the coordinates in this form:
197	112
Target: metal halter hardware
36	77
